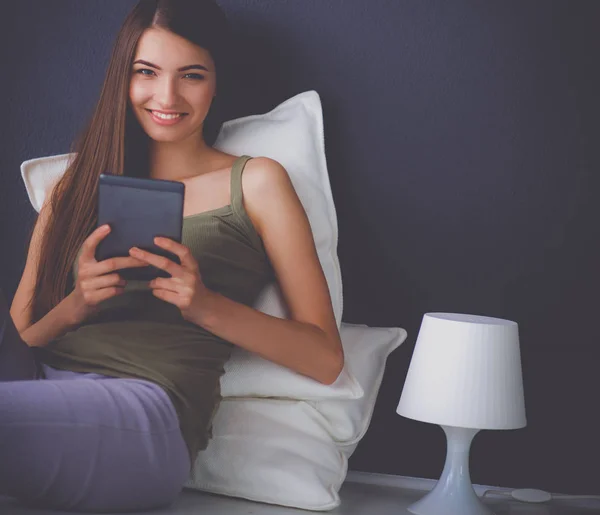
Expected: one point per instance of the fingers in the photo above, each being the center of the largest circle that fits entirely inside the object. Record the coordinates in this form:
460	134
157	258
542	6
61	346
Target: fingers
95	289
167	296
88	251
158	261
166	283
94	297
88	254
181	251
111	264
102	281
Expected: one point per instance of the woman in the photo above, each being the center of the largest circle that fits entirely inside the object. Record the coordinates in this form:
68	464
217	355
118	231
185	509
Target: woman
108	388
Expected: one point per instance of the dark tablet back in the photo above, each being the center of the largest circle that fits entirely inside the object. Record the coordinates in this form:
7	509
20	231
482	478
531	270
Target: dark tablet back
138	210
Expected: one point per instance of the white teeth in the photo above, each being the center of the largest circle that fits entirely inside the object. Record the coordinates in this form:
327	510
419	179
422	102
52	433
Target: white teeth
166	116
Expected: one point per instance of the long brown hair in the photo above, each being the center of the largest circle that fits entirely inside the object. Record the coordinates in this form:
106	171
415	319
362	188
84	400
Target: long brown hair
113	140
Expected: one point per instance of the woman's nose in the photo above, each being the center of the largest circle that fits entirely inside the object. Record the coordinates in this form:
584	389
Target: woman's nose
166	94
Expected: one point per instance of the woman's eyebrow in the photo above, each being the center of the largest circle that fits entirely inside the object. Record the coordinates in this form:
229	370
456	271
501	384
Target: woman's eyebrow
182	69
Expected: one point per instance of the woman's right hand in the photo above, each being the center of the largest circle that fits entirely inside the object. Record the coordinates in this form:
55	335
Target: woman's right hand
94	282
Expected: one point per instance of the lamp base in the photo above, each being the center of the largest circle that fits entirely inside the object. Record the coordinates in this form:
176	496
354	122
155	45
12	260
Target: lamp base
453	494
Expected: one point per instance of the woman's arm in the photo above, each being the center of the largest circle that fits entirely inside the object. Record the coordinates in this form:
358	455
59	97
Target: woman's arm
20	310
55	323
308	342
300	346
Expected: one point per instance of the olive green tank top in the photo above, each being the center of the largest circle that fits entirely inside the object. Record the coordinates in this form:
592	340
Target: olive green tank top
137	335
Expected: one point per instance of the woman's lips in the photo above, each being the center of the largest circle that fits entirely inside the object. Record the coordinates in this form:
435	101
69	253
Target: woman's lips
169	120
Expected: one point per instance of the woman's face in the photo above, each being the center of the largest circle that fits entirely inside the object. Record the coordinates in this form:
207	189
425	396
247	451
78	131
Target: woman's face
172	86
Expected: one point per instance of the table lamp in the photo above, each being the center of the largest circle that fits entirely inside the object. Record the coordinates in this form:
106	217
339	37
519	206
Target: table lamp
465	375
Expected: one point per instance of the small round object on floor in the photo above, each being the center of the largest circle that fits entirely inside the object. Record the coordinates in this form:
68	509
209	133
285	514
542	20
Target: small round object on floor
531	495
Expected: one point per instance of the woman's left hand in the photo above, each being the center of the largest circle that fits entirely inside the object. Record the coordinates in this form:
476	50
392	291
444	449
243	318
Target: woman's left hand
184	288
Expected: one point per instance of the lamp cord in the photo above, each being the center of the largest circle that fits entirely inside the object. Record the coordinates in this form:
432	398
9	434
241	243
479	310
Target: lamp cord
531	495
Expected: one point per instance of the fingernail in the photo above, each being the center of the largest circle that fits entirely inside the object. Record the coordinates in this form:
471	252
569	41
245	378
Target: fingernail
105	227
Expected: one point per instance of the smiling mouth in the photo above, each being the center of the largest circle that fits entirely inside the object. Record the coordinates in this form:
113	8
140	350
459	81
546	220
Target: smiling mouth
163	116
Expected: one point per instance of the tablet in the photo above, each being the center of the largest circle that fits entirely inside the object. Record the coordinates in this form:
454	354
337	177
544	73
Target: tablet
137	210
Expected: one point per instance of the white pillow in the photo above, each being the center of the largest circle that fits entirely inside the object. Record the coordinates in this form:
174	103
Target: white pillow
292	133
367	350
272	451
295	453
40	173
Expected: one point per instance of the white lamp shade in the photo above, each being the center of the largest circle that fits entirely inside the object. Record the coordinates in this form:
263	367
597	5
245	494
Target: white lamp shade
465	372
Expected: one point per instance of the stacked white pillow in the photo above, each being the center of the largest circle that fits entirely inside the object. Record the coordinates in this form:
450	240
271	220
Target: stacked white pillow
278	436
291	452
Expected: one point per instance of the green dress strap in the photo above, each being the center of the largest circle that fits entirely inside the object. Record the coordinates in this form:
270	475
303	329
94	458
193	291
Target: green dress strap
237	204
236	180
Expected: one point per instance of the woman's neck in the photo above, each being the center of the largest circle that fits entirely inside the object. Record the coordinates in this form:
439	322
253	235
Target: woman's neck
179	160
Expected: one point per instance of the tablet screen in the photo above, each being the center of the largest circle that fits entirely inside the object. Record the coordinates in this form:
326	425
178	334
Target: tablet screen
138	210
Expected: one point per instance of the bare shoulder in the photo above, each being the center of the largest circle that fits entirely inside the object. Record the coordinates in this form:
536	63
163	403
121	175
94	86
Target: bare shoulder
267	189
262	171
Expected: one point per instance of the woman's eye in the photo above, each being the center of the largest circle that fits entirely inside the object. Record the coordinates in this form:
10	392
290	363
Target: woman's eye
142	70
147	72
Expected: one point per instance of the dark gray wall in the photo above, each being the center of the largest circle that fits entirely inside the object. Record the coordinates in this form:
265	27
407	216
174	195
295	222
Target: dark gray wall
462	143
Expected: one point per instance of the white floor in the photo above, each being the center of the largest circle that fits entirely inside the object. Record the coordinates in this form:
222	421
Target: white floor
362	493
